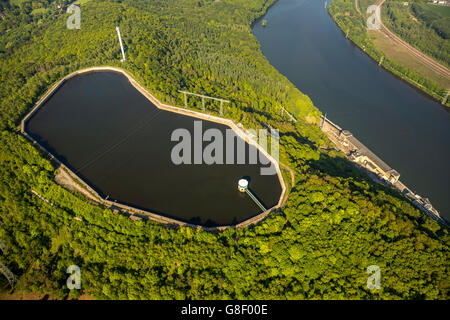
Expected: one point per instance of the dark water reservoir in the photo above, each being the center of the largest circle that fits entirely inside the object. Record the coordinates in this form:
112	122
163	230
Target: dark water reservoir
113	137
408	130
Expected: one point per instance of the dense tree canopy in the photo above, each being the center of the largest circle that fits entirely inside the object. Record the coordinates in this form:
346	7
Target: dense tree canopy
336	222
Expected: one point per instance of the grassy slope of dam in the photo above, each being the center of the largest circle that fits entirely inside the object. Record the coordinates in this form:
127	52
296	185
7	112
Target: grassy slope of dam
335	224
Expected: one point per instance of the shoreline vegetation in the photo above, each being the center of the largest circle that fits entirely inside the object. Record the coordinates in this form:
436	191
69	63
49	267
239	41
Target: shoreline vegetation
336	221
353	24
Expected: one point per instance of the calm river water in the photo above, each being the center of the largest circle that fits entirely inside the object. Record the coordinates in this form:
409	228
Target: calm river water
408	130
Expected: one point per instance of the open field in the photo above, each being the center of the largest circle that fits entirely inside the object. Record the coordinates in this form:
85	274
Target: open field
431	63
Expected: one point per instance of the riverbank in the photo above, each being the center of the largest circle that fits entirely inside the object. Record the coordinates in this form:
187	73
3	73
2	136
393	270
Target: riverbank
353	24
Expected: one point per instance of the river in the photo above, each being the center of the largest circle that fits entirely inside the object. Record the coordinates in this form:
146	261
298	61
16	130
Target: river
408	130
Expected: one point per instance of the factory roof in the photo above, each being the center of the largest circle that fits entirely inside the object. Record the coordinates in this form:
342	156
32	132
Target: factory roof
363	150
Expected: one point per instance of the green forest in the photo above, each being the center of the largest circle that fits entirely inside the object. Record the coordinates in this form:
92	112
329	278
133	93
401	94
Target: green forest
335	224
428	35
